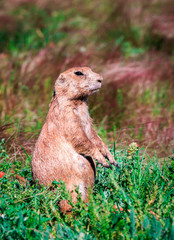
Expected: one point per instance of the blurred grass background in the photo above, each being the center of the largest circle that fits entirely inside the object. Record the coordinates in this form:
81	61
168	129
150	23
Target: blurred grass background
131	43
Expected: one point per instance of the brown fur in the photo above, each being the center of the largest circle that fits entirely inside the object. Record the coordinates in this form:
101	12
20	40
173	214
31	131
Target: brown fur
68	143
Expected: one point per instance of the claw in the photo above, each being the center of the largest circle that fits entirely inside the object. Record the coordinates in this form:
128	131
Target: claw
104	165
113	162
116	164
107	166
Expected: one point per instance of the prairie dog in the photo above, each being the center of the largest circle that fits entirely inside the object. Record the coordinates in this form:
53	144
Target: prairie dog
68	144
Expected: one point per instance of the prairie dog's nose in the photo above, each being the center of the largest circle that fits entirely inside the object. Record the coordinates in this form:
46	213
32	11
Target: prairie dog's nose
99	79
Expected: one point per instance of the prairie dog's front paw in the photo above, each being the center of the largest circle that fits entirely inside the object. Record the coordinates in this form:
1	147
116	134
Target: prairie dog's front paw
112	160
110	157
100	159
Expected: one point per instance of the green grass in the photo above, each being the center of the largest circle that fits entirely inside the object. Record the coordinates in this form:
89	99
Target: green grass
141	191
32	30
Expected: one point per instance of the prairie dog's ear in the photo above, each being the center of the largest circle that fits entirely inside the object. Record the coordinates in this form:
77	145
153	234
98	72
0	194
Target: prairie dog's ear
61	79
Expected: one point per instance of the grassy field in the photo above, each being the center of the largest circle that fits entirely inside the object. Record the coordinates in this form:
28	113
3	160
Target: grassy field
131	44
133	202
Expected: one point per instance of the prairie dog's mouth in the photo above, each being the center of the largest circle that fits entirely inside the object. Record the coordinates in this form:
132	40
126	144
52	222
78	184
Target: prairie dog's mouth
95	90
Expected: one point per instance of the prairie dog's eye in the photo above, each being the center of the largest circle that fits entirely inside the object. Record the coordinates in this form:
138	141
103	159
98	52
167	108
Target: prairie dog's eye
78	73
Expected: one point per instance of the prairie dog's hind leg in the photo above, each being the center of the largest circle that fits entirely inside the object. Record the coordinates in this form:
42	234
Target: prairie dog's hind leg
65	206
83	190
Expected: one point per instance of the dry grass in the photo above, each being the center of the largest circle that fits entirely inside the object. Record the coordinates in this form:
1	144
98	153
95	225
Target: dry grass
130	46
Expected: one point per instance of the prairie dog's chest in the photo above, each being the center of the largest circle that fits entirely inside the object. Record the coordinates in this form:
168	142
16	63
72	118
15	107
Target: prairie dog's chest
82	113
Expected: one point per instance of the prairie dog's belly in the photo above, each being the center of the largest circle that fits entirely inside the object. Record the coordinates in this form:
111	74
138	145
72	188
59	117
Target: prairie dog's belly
83	115
61	162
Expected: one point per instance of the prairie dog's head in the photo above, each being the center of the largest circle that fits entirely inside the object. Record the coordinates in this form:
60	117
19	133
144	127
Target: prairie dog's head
78	82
